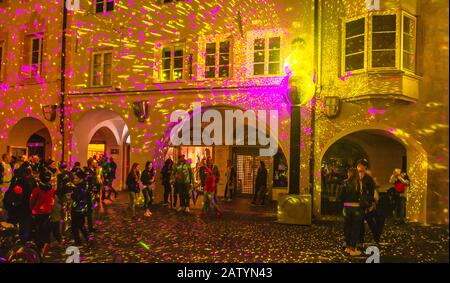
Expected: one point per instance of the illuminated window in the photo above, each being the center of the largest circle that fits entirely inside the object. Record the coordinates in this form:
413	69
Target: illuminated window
104	6
1	58
409	43
172	63
217	63
383	41
267	56
355	45
392	43
34	46
101	68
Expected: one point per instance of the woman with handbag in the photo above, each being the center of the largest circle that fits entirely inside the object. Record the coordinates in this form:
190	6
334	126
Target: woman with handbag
133	187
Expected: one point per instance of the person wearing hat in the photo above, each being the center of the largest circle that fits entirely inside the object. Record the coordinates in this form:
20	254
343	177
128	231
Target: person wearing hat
41	203
183	178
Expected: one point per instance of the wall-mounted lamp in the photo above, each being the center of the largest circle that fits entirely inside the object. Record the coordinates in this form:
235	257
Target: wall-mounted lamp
141	110
332	106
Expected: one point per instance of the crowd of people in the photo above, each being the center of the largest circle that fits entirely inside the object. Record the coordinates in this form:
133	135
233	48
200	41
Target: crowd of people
360	199
45	200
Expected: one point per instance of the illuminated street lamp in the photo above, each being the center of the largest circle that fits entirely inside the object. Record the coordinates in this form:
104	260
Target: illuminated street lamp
295	208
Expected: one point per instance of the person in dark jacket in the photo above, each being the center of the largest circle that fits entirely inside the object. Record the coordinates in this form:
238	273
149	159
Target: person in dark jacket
93	188
260	183
166	172
231	179
133	187
147	179
366	186
353	213
79	207
41	203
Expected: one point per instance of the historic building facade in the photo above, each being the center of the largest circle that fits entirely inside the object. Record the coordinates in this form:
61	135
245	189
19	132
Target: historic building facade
381	89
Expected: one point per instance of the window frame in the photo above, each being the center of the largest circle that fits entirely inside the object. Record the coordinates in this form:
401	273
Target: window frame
2	51
167	3
102	68
217	54
31	73
397	42
413	18
267	50
344	42
105	6
172	47
368	41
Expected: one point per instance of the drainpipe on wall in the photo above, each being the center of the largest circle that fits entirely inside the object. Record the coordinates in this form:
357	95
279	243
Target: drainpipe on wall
318	88
62	105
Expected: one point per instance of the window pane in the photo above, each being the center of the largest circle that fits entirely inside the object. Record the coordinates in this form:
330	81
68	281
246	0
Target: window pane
107	76
35	58
258	57
274	56
407	43
166	53
35	44
258	69
408	26
177	74
210	48
96	80
259	44
108	58
409	61
110	5
225	47
107	70
224	59
224	71
166	64
274	68
355	27
178	52
166	75
99	6
383	41
354	62
274	43
97	59
384	23
210	60
210	72
354	45
382	59
178	63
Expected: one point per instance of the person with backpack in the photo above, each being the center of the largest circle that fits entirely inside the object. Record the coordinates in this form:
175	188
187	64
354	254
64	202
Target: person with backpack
80	198
401	181
41	203
147	179
166	172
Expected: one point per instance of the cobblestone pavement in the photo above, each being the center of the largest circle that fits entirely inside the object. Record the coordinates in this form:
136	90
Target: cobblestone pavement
244	234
